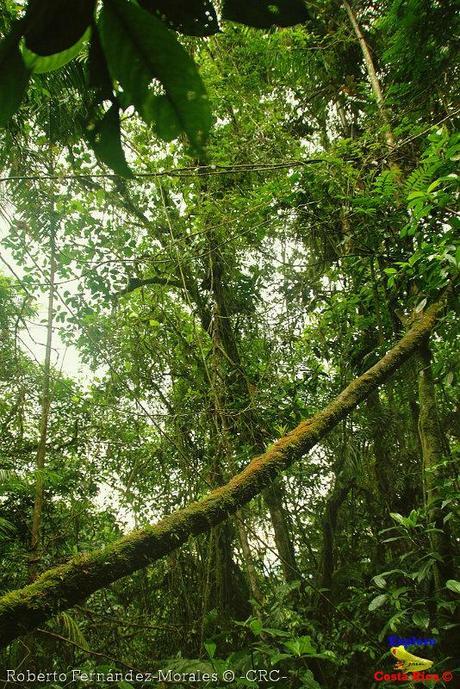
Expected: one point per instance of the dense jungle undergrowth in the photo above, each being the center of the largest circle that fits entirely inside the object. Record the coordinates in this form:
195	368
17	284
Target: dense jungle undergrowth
229	368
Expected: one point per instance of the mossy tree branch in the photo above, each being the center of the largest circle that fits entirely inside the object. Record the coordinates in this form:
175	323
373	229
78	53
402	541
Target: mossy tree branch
64	586
136	283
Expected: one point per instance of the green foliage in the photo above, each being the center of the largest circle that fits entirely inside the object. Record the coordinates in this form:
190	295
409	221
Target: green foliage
275	650
264	14
7	529
70	629
415	48
453	585
139	48
210	308
432	190
49	28
39	64
105	142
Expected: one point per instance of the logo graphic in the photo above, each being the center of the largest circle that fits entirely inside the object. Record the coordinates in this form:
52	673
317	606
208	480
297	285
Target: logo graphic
395	640
410	668
407	662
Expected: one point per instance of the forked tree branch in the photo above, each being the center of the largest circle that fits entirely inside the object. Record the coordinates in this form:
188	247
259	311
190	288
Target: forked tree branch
62	587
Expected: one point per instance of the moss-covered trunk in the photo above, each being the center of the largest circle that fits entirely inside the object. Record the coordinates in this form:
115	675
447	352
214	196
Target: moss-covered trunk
64	586
435	452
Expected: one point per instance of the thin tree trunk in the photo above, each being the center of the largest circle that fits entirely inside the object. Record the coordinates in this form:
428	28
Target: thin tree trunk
273	498
62	587
382	455
372	74
238	386
44	419
253	579
226	589
434	451
335	501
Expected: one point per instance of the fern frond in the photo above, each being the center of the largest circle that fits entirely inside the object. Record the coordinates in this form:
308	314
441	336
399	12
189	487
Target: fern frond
70	629
421	178
385	185
7	529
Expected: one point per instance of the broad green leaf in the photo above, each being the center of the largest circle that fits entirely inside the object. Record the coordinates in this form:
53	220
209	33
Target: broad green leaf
210	647
453	585
308	681
98	73
416	195
275	632
400	519
377	602
305	644
193	18
139	48
54	26
256	627
379	581
14	77
293	646
266	13
300	646
105	142
7	529
434	185
395	622
278	657
421	619
40	64
158	109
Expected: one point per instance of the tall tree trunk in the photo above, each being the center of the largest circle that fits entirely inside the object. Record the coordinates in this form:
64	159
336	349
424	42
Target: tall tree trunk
335	501
44	418
372	74
383	470
273	498
238	387
226	591
253	579
434	451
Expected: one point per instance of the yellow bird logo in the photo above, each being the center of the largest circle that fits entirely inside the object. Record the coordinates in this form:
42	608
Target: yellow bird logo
408	662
